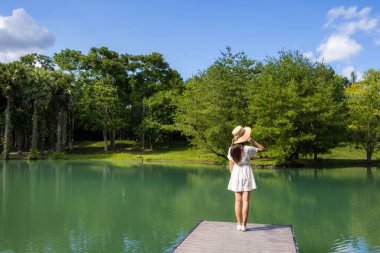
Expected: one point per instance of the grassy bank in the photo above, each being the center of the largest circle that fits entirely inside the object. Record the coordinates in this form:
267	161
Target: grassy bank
180	151
131	150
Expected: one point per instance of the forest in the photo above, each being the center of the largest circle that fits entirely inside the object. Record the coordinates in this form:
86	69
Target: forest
296	106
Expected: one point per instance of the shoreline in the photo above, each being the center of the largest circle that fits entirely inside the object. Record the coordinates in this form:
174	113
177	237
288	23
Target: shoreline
328	163
181	152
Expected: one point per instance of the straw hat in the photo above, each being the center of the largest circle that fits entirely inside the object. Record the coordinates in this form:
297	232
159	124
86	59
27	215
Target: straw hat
241	134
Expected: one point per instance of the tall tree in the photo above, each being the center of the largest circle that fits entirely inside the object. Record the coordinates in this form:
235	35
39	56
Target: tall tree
215	101
12	76
297	106
364	112
104	67
148	75
37	93
61	96
71	61
35	60
98	106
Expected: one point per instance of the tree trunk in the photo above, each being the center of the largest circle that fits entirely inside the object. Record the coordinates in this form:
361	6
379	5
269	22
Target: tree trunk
14	144
71	131
64	131
315	156
43	135
26	144
59	132
369	155
35	127
105	140
113	135
143	133
19	140
7	131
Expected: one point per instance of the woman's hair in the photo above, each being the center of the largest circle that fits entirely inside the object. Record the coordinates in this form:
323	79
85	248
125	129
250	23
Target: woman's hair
237	152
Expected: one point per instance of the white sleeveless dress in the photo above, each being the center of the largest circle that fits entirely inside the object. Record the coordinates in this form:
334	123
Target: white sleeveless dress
242	179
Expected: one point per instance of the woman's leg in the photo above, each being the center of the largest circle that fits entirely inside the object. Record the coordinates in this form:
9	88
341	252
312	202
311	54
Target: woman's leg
238	198
245	207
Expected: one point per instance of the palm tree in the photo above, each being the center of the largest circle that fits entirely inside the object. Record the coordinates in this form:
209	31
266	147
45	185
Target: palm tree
12	76
62	93
37	93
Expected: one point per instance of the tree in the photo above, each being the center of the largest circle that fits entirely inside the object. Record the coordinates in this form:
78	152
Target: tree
216	100
98	106
71	61
297	107
158	121
364	112
12	77
37	61
104	72
37	93
62	90
148	75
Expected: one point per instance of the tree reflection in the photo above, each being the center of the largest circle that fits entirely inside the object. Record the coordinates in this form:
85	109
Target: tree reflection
69	206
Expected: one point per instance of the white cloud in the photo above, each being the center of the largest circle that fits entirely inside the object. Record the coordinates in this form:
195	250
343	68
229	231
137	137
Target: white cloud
20	35
347	73
337	12
338	48
365	24
345	23
349	13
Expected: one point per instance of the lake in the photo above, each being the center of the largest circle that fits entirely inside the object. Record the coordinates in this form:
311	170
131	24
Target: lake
73	206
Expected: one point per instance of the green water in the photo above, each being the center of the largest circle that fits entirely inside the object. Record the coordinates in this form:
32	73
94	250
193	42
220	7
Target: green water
107	207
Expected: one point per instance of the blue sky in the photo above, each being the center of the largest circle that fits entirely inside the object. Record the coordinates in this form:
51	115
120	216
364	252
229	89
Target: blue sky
191	34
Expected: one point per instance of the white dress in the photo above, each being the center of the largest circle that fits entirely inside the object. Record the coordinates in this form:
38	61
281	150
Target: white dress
242	178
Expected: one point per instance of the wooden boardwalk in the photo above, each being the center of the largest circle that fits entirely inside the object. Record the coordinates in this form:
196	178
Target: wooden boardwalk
212	236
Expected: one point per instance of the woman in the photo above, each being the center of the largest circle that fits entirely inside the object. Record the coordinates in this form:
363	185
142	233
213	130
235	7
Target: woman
242	180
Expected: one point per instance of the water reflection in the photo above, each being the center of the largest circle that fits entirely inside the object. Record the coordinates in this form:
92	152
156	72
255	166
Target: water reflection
68	206
352	244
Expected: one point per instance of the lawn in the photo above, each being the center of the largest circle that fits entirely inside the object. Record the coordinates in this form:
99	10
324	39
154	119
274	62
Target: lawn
170	151
179	151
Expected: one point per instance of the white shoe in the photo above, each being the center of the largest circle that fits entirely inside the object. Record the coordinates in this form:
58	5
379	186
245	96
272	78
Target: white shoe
238	227
243	228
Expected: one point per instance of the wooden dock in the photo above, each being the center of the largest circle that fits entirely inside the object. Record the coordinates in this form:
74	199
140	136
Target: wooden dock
213	236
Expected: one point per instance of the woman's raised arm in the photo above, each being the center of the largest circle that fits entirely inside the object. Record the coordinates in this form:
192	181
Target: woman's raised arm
259	147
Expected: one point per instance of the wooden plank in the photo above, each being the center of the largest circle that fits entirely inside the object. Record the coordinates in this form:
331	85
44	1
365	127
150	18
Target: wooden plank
213	236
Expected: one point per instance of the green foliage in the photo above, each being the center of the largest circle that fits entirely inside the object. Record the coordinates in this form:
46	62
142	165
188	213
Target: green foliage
98	104
154	90
13	76
364	108
34	155
57	156
297	107
216	100
69	60
37	60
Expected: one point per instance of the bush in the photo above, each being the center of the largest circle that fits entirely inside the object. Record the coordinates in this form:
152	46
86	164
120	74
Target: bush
57	156
34	155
